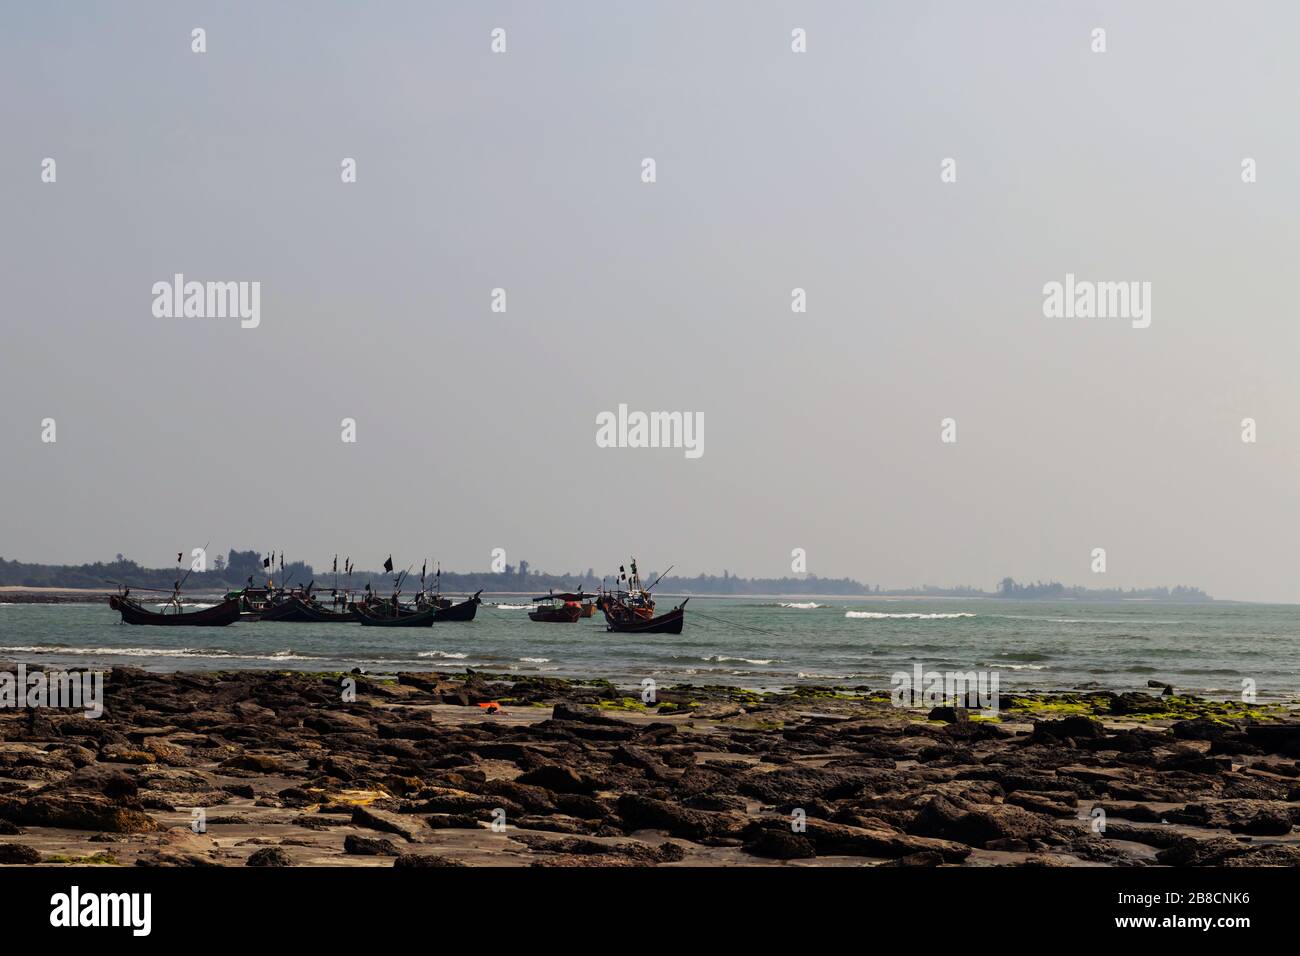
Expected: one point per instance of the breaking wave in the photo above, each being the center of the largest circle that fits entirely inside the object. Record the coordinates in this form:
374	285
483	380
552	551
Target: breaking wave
906	616
216	653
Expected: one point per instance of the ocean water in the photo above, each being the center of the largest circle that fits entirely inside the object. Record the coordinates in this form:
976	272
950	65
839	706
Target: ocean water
766	643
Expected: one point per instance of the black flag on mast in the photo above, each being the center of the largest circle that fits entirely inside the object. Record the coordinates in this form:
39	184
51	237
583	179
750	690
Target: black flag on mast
388	564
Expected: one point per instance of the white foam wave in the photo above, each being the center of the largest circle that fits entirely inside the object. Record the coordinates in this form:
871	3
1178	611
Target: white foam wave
445	655
913	616
804	606
214	653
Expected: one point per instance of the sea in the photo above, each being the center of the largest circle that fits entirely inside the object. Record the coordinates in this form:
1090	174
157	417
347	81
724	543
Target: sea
1209	649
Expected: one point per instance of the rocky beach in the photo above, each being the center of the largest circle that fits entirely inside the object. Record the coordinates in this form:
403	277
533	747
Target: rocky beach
284	768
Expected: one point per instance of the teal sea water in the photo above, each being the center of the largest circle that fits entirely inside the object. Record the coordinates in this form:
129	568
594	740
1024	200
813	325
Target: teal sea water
764	643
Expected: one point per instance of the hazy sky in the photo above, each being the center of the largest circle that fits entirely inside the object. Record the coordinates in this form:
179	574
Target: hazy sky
775	170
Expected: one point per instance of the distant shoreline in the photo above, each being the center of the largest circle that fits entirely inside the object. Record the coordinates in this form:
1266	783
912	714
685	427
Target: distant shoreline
19	594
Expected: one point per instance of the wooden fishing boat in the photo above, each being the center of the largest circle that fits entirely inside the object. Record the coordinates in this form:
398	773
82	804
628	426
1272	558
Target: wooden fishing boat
133	612
402	619
319	613
670	623
464	611
554	608
289	610
630	601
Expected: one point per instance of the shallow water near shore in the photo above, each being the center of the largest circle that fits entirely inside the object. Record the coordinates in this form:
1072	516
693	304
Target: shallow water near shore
762	643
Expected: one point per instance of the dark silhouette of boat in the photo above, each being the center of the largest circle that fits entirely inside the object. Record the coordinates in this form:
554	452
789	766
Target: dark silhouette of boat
628	599
318	613
289	610
563	608
401	619
670	623
133	612
464	611
298	610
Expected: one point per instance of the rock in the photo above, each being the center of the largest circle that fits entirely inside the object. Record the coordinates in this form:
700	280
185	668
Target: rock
1270	855
269	856
716	801
384	822
12	853
532	799
460	802
559	779
1151	836
837	838
924	858
363	846
977	827
258	763
1200	728
110	781
458	821
1038	803
643	760
586	715
76	811
1272	821
428	859
804	784
1276	738
168	754
117	753
1136	703
637	852
640	812
949	715
1069	727
781	845
1222	851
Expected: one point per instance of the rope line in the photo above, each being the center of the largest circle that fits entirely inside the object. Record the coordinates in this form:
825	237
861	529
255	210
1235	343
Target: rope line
734	624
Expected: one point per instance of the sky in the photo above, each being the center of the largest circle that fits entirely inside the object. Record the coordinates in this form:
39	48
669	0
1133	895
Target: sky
774	170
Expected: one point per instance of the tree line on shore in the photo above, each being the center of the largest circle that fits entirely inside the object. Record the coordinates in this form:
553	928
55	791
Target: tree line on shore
233	570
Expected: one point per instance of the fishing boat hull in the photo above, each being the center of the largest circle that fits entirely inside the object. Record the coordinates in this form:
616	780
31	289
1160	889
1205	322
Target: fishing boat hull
419	619
670	623
555	615
464	611
219	615
319	614
290	611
